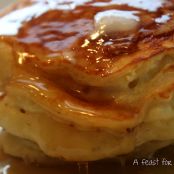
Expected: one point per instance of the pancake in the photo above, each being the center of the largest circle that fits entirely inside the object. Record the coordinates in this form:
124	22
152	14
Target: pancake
88	80
31	153
26	150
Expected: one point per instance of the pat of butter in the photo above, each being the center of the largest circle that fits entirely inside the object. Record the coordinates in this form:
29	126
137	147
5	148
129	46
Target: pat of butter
116	21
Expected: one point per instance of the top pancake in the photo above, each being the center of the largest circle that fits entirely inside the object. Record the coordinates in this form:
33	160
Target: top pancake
93	63
92	41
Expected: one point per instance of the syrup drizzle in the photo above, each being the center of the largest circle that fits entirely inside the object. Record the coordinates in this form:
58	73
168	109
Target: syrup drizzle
28	38
49	29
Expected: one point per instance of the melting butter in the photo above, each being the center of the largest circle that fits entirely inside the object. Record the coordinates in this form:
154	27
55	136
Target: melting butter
116	21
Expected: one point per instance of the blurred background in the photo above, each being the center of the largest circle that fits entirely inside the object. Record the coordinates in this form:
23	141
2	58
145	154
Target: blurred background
3	3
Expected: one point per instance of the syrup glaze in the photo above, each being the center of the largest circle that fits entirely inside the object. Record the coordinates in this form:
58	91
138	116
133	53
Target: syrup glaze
55	33
67	34
60	40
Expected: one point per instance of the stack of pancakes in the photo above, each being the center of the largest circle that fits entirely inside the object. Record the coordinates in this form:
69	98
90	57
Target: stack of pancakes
86	80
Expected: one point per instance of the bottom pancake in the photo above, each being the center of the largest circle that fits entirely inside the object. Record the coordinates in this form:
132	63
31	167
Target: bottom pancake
31	153
27	150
